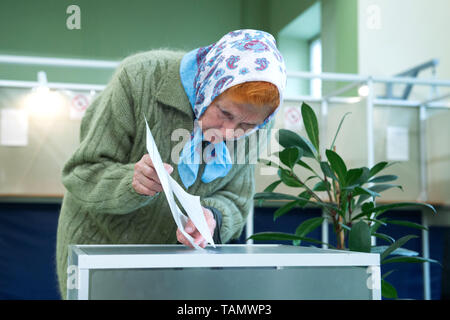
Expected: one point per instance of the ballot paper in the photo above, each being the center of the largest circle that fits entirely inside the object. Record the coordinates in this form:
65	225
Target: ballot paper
190	203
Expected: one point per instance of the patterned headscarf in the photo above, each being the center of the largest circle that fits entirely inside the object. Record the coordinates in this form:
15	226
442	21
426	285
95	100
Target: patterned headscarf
239	56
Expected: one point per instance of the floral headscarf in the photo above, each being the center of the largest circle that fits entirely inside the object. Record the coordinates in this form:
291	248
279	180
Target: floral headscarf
239	56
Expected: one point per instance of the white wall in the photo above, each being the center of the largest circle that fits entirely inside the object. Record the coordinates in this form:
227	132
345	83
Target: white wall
409	32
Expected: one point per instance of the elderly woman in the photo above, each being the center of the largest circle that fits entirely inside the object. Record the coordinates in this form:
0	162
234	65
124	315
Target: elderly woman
224	91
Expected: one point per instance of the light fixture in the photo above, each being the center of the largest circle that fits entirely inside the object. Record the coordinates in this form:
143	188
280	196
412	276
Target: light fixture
43	102
363	90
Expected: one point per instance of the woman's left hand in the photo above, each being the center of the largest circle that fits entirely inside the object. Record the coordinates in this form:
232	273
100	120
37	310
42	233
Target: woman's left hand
194	233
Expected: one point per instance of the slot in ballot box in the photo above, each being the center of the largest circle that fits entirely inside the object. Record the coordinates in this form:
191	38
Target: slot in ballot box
230	272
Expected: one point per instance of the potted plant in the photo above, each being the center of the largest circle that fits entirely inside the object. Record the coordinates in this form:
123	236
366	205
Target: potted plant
350	198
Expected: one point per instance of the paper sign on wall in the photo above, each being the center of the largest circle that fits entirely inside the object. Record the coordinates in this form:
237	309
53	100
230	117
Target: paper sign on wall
78	103
14	128
292	118
78	106
397	144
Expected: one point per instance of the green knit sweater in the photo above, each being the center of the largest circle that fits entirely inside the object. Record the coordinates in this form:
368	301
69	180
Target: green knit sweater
100	205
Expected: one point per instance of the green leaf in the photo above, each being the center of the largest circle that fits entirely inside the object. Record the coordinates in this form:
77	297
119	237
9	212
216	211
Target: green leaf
281	236
377	188
398	251
322	186
288	138
364	176
308	226
376	225
289	178
359	237
377	221
311	177
362	198
312	148
405	252
397	244
305	196
350	188
384	187
383	236
274	196
272	186
326	169
274	236
388	290
362	190
385	275
407	224
377	168
409	260
311	124
345	226
385	207
368	206
282	196
284	209
353	175
385	178
338	166
290	156
338	129
366	209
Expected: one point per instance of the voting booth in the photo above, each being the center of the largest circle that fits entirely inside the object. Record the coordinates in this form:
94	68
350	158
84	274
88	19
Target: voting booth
229	272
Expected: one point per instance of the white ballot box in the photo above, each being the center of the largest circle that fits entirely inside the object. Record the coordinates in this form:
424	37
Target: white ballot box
229	272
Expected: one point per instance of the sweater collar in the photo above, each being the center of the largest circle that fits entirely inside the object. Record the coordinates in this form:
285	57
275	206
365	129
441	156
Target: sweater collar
171	91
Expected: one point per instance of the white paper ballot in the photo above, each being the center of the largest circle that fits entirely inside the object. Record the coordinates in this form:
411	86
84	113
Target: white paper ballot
190	203
14	127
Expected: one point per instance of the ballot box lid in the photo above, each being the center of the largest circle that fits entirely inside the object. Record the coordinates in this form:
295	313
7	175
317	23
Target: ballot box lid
180	256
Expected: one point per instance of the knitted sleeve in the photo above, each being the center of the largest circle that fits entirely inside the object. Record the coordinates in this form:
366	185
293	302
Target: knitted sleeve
234	201
98	175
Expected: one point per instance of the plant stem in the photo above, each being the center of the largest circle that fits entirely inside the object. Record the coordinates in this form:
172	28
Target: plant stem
340	235
328	191
349	200
335	191
333	214
338	228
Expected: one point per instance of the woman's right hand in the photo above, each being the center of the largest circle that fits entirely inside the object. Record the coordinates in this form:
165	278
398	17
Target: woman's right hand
145	178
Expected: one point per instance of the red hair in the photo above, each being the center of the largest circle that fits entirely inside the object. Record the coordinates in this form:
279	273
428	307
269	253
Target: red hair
257	93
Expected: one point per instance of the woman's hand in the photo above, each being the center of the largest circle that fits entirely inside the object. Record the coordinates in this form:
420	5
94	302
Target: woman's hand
194	233
145	178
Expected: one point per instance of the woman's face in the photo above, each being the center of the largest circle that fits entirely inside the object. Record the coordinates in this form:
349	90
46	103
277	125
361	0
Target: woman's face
225	119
